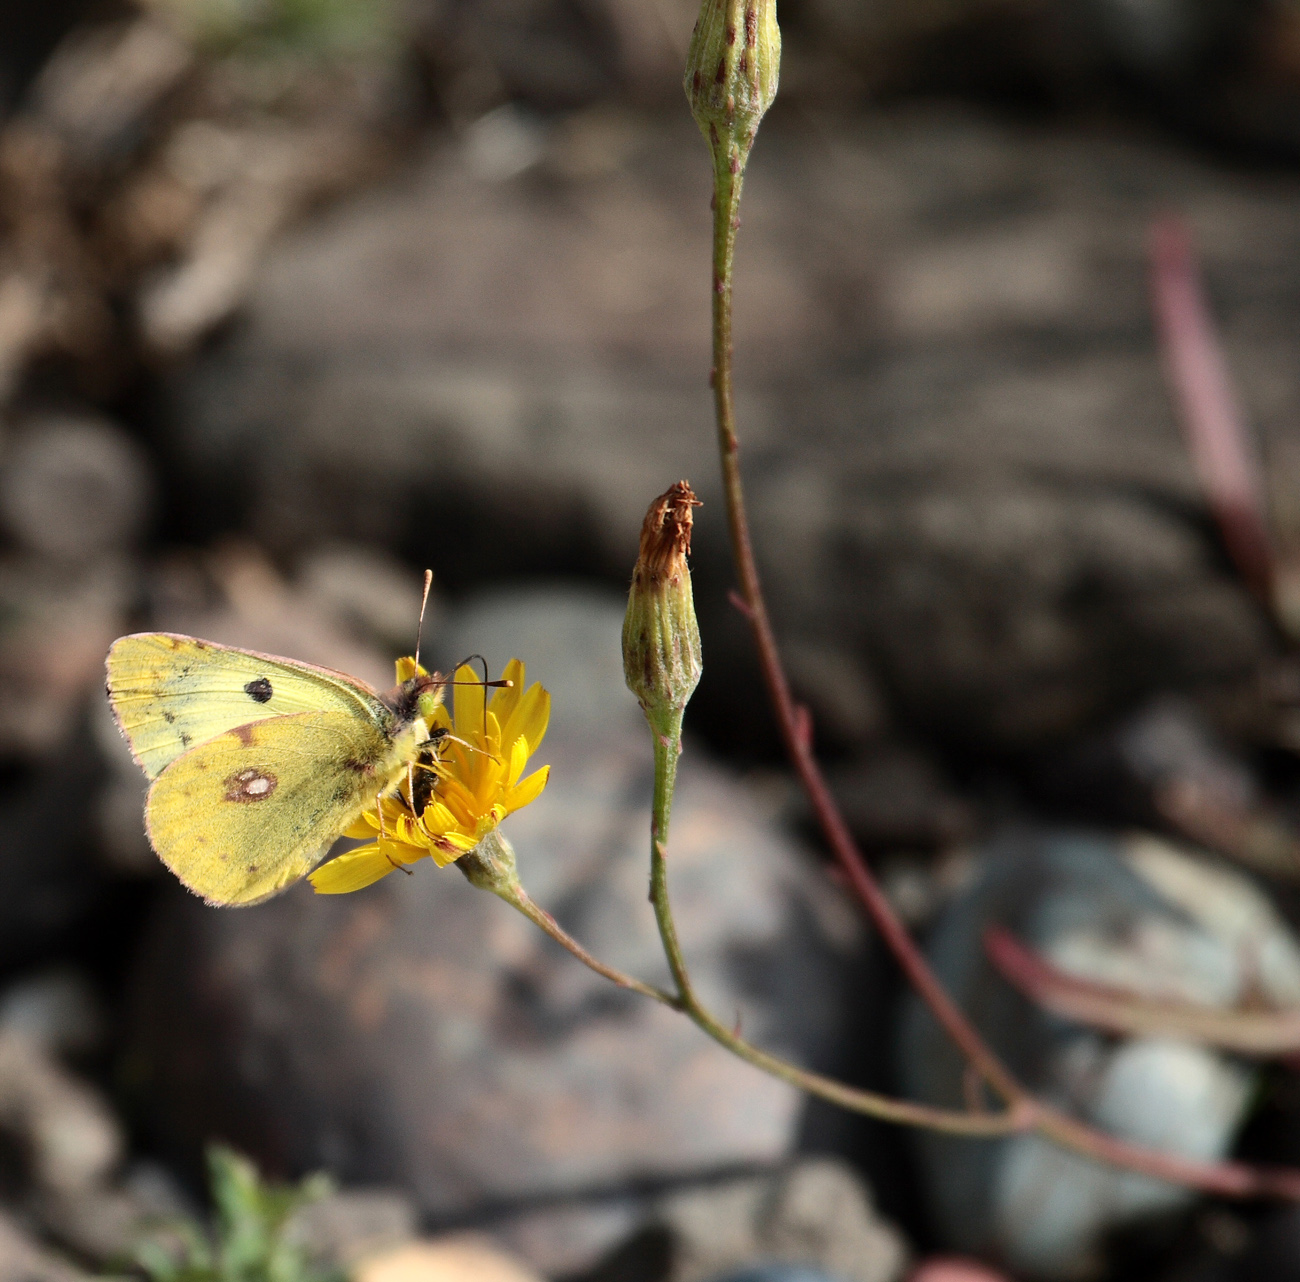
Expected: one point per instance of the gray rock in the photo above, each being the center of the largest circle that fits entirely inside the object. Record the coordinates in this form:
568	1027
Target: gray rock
55	1008
345	1227
971	503
817	1215
74	489
105	1221
420	1034
73	1138
23	1259
572	1238
1138	914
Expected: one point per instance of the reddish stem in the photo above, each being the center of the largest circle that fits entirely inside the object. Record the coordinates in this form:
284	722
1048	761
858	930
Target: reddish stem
1222	447
1231	1179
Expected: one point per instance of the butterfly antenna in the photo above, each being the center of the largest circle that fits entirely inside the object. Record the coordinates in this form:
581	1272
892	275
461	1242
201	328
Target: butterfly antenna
424	601
486	682
466	744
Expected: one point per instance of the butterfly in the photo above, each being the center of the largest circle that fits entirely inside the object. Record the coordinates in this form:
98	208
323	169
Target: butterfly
258	763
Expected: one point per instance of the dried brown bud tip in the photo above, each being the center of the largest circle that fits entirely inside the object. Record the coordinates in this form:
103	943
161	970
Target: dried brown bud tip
661	640
666	536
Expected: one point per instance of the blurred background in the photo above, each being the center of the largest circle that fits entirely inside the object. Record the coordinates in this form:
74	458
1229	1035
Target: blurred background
298	297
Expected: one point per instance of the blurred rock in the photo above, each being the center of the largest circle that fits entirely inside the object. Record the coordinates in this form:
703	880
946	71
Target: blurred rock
56	1009
48	895
504	142
356	1230
420	1034
816	1217
118	806
955	1270
23	1259
72	1138
154	158
1014	551
894	797
774	1271
462	1258
103	1221
1138	914
74	488
74	495
235	596
369	591
918	886
273	171
56	624
577	1238
103	82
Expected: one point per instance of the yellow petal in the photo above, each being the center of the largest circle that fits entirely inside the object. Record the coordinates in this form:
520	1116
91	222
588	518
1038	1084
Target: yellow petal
491	734
527	790
504	702
437	819
406	669
354	871
518	760
405	840
530	718
452	846
468	702
364	827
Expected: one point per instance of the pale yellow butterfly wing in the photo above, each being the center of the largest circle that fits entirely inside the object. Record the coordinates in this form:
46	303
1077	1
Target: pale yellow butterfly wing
246	814
171	693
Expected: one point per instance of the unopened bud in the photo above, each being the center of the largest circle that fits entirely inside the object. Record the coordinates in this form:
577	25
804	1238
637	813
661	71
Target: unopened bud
731	74
661	639
491	866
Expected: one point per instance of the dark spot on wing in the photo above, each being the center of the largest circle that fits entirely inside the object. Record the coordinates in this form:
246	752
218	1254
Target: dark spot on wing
244	734
259	690
169	718
250	784
185	740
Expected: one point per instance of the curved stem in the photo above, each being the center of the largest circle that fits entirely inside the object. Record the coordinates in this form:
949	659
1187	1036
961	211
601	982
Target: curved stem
1021	1117
540	917
1227	1178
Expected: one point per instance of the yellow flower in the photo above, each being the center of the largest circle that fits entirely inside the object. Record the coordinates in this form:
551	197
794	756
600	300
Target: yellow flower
462	791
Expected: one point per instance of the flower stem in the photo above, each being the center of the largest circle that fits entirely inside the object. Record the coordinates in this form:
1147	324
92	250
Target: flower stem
491	866
1023	1110
667	750
540	917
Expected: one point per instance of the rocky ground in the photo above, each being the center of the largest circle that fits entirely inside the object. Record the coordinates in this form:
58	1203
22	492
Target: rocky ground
276	334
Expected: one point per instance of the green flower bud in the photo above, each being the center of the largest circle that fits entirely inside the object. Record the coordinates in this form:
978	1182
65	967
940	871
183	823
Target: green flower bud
661	639
491	866
731	74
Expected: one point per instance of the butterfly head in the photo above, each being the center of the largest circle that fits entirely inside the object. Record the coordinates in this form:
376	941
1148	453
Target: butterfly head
418	693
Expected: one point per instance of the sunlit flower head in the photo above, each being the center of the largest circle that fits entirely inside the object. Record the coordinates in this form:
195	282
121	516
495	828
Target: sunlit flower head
462	791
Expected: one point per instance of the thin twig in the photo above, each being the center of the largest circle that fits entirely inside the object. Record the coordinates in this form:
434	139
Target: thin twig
1021	1116
1263	1034
1218	438
1226	1178
540	917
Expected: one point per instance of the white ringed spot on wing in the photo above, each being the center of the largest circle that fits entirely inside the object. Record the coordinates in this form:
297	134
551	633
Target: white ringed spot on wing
250	784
